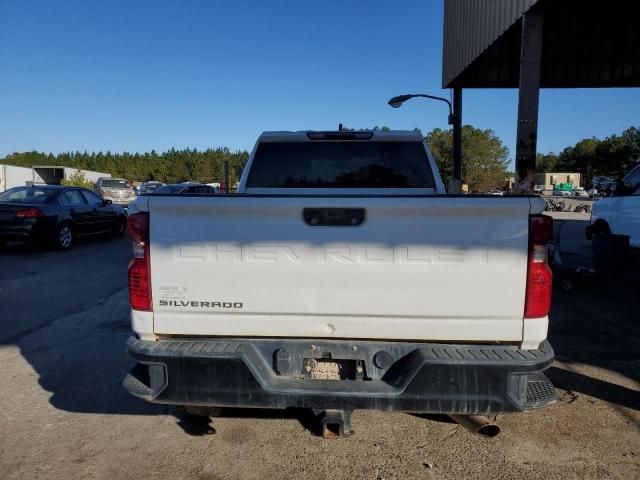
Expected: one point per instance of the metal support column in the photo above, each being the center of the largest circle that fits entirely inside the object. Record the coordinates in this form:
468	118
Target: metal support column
528	100
456	186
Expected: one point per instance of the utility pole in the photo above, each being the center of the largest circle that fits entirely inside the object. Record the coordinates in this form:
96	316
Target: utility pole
226	176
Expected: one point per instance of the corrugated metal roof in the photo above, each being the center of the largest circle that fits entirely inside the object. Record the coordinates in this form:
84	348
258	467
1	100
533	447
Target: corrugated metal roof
471	26
592	43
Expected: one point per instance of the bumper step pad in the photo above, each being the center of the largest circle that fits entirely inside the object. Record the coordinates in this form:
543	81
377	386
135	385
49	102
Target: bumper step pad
269	373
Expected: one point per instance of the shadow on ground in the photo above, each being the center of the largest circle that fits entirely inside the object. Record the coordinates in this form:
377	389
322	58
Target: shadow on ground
201	425
609	392
593	321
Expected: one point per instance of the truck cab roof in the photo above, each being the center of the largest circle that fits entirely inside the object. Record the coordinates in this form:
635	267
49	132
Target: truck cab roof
371	135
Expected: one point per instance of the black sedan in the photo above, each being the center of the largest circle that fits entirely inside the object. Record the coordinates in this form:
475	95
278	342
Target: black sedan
55	215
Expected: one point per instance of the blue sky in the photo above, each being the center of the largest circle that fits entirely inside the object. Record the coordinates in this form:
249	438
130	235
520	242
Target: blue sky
155	74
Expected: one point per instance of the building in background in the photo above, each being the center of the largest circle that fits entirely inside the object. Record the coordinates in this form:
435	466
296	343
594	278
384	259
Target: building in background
53	175
547	182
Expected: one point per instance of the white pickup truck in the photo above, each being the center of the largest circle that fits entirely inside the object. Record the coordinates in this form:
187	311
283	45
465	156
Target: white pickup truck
341	276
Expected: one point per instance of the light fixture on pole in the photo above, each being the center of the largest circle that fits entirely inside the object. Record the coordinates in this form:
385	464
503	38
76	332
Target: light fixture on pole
396	102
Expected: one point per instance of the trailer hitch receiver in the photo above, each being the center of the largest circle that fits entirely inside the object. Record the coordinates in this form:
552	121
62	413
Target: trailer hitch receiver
336	423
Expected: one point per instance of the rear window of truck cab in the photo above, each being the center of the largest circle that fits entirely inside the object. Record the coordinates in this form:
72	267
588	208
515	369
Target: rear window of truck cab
340	164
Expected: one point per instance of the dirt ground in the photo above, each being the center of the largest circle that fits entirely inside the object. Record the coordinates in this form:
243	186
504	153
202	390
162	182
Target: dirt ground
64	415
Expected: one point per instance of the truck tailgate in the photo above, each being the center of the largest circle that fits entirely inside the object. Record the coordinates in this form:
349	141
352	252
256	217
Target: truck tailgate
423	267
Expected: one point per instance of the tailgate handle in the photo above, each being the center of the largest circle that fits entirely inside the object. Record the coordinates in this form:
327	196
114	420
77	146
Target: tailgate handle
333	217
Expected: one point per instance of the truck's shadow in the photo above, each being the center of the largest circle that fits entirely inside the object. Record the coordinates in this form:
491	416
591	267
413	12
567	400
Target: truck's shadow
85	375
200	426
83	362
595	324
572	382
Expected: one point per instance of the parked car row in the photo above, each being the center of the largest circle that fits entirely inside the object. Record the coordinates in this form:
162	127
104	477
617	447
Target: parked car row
121	191
55	215
576	192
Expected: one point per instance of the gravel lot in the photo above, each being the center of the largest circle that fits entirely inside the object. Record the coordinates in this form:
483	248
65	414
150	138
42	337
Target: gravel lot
63	328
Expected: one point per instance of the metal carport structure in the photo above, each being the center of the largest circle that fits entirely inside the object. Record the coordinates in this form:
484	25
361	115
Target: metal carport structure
533	44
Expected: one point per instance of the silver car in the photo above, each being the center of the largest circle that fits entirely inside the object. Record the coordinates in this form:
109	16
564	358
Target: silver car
118	190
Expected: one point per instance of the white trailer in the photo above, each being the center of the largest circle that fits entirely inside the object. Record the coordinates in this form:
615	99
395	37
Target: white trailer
12	176
90	175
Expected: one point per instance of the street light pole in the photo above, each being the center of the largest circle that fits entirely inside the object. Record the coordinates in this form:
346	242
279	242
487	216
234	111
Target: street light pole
457	139
455	119
397	102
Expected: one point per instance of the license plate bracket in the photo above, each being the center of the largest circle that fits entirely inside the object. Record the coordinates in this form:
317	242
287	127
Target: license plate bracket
333	369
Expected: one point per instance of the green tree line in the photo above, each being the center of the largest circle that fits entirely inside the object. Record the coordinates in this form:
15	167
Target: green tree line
485	159
172	166
612	156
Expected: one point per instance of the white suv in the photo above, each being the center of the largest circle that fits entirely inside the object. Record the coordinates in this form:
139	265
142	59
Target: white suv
619	213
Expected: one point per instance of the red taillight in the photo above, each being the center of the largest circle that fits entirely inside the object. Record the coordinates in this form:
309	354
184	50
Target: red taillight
538	295
29	213
139	268
140	284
